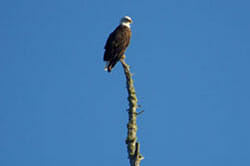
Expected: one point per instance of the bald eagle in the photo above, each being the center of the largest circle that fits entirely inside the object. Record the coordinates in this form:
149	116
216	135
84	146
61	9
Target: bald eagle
117	43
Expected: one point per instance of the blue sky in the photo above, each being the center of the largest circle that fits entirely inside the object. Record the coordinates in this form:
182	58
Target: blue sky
190	61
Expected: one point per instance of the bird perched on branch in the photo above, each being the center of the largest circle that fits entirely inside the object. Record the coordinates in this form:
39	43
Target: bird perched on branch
117	43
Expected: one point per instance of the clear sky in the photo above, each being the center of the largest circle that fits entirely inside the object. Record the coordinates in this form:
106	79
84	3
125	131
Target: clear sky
191	65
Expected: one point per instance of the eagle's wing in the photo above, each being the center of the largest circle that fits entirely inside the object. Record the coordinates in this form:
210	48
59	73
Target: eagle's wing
116	44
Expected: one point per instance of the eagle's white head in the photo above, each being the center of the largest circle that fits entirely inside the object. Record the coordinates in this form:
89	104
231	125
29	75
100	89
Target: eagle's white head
126	21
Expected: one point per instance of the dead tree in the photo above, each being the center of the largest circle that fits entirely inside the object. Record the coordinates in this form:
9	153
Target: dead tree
133	146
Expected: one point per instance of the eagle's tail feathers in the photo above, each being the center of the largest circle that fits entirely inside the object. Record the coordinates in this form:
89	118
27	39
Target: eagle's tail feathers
107	66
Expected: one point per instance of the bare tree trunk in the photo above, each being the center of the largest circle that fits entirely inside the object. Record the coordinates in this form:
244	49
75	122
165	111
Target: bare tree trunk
132	145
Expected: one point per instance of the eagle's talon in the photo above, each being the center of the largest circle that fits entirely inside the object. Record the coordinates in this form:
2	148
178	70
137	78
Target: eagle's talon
123	57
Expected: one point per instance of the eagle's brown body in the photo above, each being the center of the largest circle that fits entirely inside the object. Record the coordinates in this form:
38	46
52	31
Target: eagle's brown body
116	45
